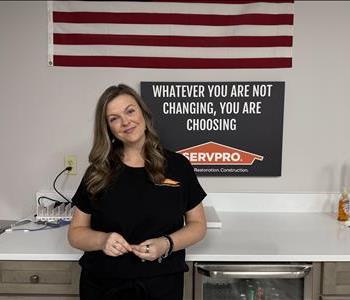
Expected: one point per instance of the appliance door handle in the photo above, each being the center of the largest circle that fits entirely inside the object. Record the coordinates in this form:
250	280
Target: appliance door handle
261	271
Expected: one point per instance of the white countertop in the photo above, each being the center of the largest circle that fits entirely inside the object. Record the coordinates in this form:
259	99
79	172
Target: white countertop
274	237
243	237
51	244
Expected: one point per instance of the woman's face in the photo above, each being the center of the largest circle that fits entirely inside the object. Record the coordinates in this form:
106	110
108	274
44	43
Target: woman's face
126	121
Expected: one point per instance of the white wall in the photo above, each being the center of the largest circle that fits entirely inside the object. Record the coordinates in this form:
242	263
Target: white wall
46	113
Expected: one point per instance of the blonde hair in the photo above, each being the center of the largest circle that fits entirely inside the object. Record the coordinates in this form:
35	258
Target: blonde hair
107	151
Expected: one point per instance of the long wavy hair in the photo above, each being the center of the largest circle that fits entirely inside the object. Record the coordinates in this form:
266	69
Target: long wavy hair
106	154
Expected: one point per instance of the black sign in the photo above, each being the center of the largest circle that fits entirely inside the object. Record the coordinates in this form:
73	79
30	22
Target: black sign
223	128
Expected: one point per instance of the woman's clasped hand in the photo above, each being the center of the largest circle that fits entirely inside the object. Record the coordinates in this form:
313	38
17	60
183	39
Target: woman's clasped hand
152	249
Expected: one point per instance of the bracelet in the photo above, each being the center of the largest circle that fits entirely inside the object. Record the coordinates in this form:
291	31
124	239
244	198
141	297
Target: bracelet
171	246
169	251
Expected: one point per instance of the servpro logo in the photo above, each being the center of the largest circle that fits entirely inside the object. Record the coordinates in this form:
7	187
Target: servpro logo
211	153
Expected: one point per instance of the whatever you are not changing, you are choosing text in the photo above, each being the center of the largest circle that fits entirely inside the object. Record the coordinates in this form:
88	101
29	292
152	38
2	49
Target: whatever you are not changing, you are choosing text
211	106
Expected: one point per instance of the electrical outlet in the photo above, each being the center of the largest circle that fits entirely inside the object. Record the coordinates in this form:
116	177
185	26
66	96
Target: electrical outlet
71	161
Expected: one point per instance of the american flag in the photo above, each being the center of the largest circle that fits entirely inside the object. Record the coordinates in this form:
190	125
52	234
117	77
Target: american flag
171	34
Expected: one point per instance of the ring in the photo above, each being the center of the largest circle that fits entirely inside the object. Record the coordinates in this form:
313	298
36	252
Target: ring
147	248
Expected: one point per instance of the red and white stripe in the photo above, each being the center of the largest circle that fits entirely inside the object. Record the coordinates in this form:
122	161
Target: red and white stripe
171	34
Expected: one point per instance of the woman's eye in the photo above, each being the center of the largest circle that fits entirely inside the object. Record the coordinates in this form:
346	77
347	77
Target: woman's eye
130	111
112	119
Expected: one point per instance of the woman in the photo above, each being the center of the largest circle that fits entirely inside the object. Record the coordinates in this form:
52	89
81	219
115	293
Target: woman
138	207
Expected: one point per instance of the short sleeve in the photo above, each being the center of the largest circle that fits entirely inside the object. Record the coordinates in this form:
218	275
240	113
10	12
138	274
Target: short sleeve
81	198
193	190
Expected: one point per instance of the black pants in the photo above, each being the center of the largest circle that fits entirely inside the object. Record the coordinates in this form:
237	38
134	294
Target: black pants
166	287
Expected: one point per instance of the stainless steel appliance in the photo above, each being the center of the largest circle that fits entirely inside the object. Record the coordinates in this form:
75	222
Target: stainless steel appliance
258	281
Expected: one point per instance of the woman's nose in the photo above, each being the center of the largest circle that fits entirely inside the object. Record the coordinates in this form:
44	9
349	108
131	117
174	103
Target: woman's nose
125	120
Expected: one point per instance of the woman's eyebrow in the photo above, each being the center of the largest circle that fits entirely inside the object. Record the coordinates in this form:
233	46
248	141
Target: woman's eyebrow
125	109
129	106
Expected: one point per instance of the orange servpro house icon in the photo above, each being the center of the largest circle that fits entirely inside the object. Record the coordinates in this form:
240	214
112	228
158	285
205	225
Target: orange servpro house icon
211	153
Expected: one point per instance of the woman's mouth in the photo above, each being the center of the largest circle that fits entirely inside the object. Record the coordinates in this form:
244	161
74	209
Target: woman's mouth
129	130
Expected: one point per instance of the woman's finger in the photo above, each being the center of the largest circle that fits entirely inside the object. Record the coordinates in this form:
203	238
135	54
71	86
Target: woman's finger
147	252
125	244
146	242
115	252
120	239
119	247
139	248
111	251
145	249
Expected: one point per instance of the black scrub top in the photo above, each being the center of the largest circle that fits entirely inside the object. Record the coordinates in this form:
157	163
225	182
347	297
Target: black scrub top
138	209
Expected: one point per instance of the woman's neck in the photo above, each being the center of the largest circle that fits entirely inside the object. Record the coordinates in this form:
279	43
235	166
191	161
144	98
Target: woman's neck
133	157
